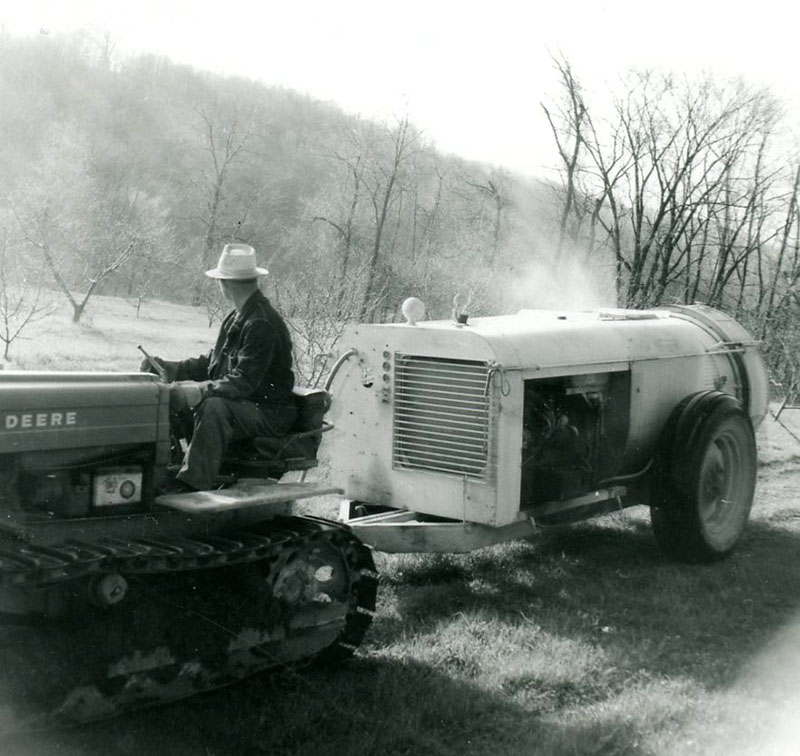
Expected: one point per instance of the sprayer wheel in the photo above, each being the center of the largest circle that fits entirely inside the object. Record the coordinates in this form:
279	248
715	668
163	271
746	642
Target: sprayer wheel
704	499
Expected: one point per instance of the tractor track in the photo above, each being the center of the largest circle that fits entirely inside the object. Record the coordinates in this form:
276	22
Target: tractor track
201	613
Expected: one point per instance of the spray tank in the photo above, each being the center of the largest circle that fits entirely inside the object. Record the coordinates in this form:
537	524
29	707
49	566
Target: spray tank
477	430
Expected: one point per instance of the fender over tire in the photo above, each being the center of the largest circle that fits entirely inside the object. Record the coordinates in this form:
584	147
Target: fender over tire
705	480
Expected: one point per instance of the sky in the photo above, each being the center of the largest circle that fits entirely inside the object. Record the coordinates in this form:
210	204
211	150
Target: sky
471	75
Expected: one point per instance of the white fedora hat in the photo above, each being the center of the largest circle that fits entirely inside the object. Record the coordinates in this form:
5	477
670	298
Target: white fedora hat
237	262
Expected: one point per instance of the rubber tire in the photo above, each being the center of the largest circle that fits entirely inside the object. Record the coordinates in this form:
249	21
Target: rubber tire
706	479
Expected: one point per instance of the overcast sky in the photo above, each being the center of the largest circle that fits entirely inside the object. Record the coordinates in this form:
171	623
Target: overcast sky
470	74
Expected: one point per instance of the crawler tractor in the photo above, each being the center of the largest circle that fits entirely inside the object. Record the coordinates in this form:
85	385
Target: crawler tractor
445	436
115	594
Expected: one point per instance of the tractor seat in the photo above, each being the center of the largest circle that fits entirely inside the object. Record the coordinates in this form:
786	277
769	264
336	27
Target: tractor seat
296	451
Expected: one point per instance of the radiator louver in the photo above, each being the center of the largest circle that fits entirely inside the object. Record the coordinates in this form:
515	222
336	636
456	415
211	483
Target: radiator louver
441	415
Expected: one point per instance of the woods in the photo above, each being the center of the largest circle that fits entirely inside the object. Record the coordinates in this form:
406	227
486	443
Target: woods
125	177
688	188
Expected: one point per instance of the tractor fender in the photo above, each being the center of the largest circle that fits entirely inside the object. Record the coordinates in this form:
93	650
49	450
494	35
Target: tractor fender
681	429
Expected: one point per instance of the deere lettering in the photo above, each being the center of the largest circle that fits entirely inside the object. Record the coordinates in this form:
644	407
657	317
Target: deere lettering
41	420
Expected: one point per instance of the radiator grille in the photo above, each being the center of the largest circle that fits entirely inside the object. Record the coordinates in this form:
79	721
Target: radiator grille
441	415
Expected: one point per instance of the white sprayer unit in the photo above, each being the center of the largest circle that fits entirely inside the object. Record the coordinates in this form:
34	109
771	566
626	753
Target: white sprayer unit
452	435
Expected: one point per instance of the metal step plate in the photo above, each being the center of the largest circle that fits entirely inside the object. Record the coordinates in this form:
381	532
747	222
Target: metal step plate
247	493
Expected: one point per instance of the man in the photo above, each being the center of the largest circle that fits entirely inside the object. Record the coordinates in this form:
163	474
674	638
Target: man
245	383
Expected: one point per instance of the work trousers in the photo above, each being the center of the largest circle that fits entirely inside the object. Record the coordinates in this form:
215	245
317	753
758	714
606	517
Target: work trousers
217	423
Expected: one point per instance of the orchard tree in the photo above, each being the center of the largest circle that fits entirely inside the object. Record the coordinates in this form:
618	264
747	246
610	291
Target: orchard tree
85	229
23	298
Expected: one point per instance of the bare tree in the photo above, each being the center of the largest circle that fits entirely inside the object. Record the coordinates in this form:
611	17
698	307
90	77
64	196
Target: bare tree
23	299
342	218
663	177
567	124
383	185
785	269
497	190
85	225
225	144
81	254
694	198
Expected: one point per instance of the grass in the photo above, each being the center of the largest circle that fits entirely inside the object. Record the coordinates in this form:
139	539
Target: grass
579	641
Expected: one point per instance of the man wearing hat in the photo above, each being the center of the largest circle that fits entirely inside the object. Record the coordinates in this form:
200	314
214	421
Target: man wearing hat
245	383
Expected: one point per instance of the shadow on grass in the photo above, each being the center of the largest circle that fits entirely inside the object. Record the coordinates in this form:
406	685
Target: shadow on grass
367	707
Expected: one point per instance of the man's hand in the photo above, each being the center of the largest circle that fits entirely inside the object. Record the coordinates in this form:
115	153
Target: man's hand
146	366
162	368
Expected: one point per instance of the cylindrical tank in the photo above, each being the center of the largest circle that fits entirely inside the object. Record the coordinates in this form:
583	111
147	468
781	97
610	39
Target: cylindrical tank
430	415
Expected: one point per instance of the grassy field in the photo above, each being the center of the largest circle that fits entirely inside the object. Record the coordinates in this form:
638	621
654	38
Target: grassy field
108	334
581	641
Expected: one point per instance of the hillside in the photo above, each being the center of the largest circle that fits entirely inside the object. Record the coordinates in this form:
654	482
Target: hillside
133	174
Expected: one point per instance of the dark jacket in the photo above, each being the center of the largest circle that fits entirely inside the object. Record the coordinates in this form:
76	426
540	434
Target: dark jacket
252	358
